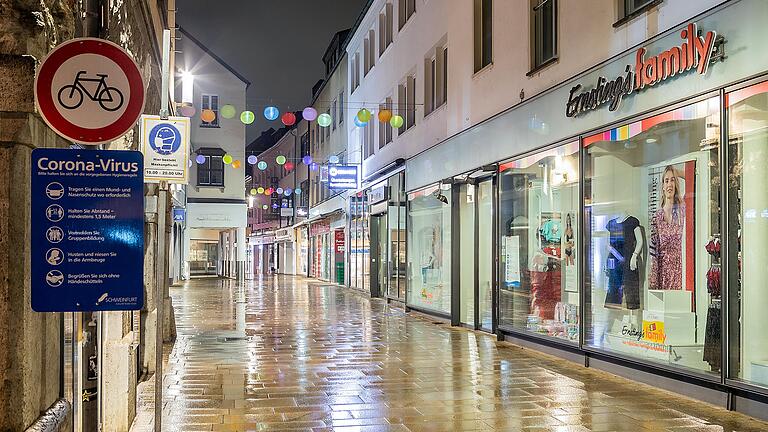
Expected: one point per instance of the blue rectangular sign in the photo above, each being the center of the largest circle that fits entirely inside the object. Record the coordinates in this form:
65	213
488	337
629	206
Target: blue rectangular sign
178	214
342	177
87	230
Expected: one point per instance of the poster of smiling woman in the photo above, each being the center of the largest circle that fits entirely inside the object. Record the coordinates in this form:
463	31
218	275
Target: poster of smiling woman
670	212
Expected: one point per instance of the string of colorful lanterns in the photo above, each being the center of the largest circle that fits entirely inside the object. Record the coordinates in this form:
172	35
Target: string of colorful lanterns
272	113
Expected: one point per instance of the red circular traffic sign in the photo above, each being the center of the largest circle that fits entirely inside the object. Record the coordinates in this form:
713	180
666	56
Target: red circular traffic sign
89	91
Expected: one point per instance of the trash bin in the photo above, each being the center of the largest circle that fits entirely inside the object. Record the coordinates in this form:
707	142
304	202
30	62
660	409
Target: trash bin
340	273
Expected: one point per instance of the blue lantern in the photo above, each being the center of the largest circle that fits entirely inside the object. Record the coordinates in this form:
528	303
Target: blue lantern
288	191
307	159
271	113
333	159
358	123
297	191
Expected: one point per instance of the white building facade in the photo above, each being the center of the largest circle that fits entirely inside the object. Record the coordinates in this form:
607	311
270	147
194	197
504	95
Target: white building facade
523	194
216	208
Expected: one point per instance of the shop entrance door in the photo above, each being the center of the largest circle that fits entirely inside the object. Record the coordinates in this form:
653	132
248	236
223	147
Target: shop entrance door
379	261
474	275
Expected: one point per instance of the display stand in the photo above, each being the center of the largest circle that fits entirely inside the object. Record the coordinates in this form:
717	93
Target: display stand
672	310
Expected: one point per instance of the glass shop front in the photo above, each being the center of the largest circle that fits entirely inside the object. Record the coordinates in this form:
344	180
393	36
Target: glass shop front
640	235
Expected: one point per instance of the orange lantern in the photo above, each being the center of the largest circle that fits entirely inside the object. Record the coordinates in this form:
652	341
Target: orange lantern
385	115
236	164
207	116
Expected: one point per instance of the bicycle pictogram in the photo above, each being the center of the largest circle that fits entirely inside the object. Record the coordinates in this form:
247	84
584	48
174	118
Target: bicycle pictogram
71	96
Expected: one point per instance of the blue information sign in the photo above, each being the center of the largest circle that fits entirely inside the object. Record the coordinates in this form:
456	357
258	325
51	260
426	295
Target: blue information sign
342	177
178	214
87	230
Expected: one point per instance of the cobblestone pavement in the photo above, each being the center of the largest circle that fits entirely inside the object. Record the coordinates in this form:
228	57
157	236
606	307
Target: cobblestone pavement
287	354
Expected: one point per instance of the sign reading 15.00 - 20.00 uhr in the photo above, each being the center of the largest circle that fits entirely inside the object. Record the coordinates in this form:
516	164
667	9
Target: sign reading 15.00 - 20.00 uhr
696	52
165	144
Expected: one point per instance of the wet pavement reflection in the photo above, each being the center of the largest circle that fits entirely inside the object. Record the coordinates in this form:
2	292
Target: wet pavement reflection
288	353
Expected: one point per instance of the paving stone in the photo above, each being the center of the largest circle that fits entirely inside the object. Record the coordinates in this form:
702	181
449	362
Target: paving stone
319	358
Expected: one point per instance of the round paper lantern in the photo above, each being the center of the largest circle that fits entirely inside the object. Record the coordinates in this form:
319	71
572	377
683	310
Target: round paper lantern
260	190
396	121
264	207
324	120
307	159
271	113
189	164
280	160
309	114
269	191
288	119
279	191
313	166
200	159
227	159
247	117
288	166
207	116
187	110
262	165
297	191
358	123
252	159
287	191
385	115
364	115
254	192
333	159
236	164
228	111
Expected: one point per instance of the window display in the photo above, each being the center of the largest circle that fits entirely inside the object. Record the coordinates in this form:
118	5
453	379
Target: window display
651	209
538	208
748	230
429	248
359	249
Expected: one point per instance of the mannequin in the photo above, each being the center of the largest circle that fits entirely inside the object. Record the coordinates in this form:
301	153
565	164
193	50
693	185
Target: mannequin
622	266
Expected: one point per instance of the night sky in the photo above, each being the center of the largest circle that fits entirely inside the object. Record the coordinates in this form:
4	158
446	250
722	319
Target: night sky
277	44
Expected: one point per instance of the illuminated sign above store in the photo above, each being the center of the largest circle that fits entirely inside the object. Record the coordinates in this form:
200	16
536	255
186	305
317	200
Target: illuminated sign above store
342	177
696	52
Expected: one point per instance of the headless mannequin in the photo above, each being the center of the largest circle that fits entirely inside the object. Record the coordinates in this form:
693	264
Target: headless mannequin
633	315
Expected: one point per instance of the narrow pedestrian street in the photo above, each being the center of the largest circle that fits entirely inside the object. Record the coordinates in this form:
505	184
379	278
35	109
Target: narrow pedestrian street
286	353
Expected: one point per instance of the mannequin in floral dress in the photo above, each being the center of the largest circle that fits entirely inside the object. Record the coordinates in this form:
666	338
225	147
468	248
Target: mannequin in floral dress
667	236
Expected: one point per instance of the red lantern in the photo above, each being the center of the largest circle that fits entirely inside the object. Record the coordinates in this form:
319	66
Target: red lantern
288	166
288	119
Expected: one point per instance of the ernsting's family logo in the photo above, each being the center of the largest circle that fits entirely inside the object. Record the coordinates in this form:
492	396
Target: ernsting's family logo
696	52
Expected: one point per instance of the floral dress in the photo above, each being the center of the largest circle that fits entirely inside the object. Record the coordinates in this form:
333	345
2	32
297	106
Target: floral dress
667	250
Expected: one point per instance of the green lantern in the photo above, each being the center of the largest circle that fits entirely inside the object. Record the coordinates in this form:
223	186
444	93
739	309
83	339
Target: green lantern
247	117
253	192
228	111
260	190
227	159
324	120
396	121
364	115
280	160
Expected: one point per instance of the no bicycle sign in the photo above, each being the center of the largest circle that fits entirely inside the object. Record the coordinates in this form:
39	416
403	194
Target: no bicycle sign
89	91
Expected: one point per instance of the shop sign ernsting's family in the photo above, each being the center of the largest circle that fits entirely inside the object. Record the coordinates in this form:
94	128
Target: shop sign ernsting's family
696	52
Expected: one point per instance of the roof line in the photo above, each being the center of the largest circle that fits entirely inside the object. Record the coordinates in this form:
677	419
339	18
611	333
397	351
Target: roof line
215	57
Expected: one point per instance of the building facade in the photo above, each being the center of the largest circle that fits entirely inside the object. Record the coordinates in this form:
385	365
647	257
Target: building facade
216	210
326	227
595	200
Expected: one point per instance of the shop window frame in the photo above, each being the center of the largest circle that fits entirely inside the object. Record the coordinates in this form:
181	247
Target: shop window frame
496	319
725	238
660	368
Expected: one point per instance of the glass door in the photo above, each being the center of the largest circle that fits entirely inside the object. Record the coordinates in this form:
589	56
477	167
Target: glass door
484	206
379	261
467	265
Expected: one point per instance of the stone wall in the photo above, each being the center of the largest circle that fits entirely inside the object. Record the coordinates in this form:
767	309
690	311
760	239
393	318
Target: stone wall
30	341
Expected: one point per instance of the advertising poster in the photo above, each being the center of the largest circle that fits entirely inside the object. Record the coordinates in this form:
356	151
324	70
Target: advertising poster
512	261
671	190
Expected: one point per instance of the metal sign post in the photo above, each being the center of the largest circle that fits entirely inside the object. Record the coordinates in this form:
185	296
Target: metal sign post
162	210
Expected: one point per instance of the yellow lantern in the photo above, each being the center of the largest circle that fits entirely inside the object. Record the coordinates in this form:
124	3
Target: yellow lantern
385	115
